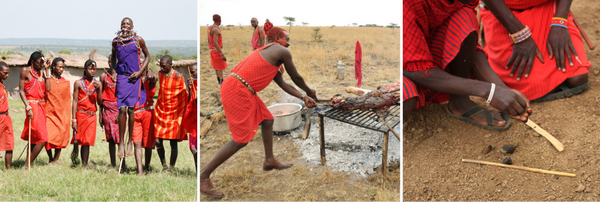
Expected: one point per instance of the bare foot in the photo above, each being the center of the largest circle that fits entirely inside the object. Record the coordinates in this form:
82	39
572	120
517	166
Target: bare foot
121	151
459	108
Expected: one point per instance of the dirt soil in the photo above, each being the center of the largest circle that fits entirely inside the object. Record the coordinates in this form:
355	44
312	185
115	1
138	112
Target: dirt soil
434	145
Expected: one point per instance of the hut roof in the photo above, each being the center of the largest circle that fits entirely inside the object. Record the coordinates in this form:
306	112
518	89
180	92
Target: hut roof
76	60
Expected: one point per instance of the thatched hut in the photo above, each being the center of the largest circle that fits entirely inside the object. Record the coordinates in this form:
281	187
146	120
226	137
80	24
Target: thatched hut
73	69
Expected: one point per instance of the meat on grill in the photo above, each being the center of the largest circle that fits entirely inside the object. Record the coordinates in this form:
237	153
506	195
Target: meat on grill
378	100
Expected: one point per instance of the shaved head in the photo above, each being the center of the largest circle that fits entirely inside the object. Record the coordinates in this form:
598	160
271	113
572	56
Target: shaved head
274	33
167	58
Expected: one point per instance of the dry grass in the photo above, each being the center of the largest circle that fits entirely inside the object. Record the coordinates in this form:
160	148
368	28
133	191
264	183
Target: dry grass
242	177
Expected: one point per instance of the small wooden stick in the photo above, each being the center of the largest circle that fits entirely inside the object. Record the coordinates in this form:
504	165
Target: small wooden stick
559	146
22	152
326	104
519	167
585	37
391	129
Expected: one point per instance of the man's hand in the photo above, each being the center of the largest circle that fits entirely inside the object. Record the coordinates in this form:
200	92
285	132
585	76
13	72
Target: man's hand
135	75
190	83
511	102
113	76
223	56
30	114
74	125
312	93
559	44
309	102
522	58
97	84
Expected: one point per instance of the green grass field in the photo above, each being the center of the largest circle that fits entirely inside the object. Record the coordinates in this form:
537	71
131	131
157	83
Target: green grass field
97	182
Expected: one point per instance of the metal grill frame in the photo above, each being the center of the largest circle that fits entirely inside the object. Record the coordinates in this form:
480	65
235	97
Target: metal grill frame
365	119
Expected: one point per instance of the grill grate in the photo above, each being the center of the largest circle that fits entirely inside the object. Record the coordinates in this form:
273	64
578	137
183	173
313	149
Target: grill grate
367	119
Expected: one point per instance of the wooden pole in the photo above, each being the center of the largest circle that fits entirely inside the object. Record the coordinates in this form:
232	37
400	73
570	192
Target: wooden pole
391	129
386	137
519	167
585	37
322	140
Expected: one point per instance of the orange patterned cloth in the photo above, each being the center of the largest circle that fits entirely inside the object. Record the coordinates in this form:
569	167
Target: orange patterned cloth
190	117
34	92
244	110
170	106
58	114
86	123
7	137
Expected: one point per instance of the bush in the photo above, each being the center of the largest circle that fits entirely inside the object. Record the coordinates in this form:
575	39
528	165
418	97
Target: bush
65	52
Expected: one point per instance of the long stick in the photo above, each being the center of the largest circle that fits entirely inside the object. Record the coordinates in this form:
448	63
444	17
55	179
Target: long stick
29	150
585	37
391	129
22	152
121	164
520	167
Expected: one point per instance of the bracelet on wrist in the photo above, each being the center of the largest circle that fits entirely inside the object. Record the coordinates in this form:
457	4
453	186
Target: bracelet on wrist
491	95
520	36
559	22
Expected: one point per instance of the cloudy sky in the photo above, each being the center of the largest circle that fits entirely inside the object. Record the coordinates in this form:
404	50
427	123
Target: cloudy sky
100	19
314	12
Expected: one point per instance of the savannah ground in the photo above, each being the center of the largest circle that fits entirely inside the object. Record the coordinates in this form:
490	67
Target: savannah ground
241	177
99	181
434	145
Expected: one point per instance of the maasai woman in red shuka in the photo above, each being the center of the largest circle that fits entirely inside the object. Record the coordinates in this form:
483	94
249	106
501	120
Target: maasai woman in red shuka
245	110
58	111
31	88
563	67
7	137
87	92
170	106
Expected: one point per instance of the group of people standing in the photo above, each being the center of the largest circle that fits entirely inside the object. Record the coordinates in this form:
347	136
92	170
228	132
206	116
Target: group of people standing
123	96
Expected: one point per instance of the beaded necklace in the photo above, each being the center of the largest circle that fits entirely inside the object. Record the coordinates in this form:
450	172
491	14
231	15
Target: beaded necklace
55	77
85	89
38	78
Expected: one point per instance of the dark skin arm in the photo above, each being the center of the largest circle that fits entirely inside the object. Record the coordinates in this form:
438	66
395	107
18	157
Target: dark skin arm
25	77
215	33
98	86
278	55
47	73
100	103
524	53
76	88
146	61
113	62
559	41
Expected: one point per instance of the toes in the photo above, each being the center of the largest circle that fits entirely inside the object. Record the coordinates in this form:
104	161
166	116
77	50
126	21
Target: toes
498	119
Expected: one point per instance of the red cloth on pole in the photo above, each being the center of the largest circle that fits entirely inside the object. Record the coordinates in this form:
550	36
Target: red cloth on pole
358	64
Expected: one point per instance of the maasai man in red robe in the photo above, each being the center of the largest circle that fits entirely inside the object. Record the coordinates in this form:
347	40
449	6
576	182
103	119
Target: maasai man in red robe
440	56
168	113
268	26
87	92
561	69
143	131
245	110
126	53
31	88
190	117
110	112
218	61
7	137
58	112
258	36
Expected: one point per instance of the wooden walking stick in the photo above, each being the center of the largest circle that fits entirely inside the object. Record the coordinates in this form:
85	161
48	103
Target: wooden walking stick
28	145
519	167
585	37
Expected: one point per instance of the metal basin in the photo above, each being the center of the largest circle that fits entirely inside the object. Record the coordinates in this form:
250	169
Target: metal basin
287	116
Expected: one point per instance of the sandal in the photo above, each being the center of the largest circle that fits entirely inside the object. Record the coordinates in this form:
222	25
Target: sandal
562	91
488	116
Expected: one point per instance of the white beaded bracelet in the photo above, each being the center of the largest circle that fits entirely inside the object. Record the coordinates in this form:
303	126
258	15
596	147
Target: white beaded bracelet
493	88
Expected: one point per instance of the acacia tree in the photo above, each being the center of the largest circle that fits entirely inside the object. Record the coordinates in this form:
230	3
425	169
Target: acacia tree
304	23
290	22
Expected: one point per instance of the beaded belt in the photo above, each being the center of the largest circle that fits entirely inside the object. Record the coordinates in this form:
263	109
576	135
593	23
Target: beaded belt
4	113
87	112
143	109
36	101
239	78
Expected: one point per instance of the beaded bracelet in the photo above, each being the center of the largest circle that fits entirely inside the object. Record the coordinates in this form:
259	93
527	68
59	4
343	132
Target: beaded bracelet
559	22
520	36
